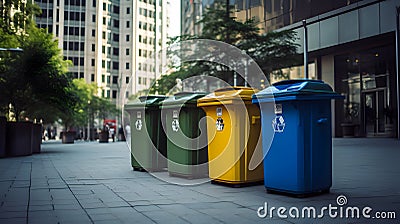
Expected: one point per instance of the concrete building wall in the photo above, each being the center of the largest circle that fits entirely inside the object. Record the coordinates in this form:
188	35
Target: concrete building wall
354	22
341	33
192	12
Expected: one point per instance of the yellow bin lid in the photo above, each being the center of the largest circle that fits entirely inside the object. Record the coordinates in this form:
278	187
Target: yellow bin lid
226	95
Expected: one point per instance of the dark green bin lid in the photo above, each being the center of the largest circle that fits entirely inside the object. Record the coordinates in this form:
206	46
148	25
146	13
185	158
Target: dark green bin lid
151	101
182	99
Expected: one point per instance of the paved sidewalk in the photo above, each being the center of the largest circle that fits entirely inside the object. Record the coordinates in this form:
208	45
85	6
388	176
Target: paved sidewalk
94	183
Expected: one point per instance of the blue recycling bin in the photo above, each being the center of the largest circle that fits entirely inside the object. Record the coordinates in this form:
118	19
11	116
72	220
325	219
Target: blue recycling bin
297	136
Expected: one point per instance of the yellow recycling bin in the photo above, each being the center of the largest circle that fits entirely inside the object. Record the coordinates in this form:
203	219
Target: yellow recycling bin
233	129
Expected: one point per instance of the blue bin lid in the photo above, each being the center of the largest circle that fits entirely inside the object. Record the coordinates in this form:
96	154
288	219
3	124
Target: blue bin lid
299	89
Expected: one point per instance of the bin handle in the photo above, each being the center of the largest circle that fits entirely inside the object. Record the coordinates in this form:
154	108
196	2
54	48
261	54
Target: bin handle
254	119
215	103
322	121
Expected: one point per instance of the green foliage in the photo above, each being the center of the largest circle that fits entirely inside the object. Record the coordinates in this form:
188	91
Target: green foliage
272	51
218	26
8	40
17	22
34	82
103	108
77	114
36	76
167	82
87	104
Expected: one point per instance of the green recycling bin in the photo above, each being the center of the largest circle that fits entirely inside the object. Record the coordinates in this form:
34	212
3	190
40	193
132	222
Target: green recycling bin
148	140
186	145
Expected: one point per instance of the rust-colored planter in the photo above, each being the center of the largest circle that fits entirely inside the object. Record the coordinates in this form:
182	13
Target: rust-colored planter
103	137
68	137
19	138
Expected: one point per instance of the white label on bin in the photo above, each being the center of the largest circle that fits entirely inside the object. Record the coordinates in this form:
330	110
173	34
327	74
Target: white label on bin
138	124
278	124
220	124
175	114
138	115
175	125
278	108
219	111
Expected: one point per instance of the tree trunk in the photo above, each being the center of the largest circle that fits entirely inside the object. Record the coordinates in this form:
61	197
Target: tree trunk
17	114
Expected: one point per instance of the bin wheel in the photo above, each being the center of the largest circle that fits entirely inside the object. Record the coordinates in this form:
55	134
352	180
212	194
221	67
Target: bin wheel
140	169
237	185
296	195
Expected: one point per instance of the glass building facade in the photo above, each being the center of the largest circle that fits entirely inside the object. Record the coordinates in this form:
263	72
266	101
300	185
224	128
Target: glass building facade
351	46
367	79
274	14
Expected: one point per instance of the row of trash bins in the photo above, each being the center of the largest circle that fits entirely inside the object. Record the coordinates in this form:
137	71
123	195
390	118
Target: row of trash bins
280	136
19	138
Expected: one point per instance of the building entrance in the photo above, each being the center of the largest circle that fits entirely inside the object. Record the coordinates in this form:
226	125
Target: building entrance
366	78
374	116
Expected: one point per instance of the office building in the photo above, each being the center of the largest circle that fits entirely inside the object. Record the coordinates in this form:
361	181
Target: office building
111	43
351	46
191	13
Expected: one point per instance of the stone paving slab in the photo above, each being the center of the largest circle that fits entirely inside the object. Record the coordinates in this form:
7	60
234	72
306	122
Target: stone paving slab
94	183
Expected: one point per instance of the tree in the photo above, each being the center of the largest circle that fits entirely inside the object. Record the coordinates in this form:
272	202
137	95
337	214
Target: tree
15	15
217	26
87	106
35	81
78	113
271	51
103	108
167	82
37	76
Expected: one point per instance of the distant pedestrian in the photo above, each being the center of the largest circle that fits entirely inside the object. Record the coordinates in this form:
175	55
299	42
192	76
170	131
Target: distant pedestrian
45	135
112	134
128	130
49	136
128	134
121	134
106	128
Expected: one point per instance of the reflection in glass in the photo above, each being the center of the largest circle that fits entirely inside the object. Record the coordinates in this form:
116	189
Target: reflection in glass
370	113
275	14
295	72
364	79
352	100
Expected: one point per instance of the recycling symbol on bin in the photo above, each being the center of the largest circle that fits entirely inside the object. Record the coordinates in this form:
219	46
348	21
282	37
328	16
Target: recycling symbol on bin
175	125
278	124
220	124
138	125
